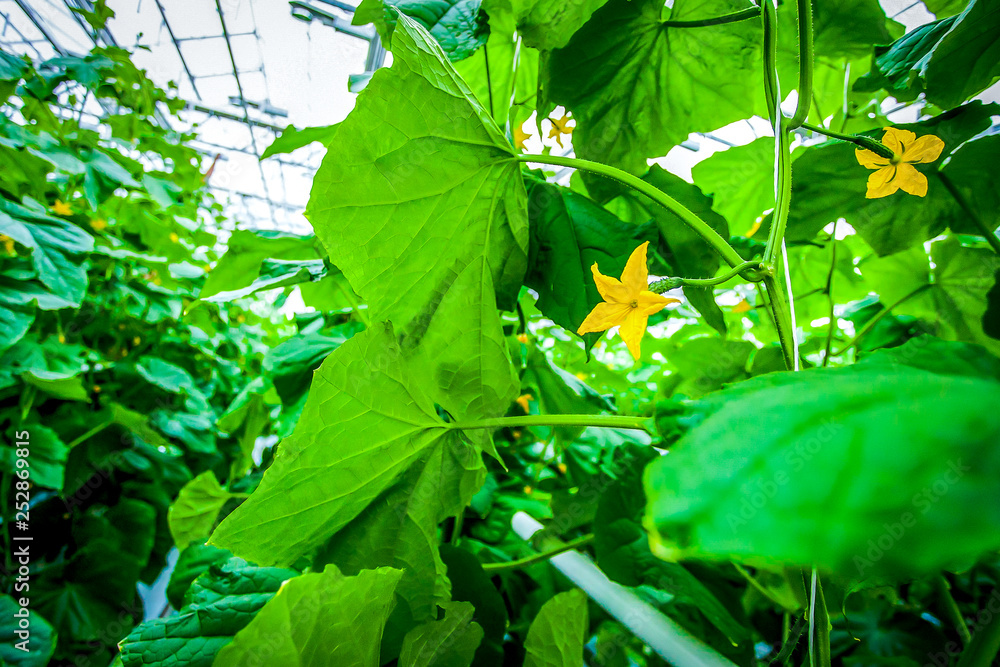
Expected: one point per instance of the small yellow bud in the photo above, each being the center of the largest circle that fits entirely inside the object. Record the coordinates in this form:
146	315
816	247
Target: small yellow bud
99	225
174	237
524	400
562	468
136	341
528	490
97	389
522	339
62	338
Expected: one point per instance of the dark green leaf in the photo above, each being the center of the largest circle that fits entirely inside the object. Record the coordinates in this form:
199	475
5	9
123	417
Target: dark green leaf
220	603
458	25
638	88
569	234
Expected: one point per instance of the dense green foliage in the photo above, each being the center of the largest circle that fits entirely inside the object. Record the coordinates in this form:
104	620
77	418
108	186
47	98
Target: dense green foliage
801	472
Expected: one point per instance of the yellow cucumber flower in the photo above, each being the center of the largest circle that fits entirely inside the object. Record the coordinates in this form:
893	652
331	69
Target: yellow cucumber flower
899	172
61	208
520	136
628	303
559	128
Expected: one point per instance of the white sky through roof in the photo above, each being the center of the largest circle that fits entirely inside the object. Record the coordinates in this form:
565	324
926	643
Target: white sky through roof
297	67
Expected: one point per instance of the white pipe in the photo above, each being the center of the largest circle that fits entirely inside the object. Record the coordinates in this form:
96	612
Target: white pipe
672	642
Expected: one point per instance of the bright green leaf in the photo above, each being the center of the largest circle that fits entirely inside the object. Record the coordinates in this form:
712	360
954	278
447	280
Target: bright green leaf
830	467
192	516
318	620
555	638
448	642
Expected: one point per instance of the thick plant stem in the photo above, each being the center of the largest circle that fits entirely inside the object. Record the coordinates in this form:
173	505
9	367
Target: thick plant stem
493	568
805	64
782	320
779	219
661	286
870	324
990	234
699	226
742	15
951	609
874	145
606	421
984	647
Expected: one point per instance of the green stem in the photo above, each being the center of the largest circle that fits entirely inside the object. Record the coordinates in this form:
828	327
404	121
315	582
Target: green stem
699	226
991	235
805	64
832	325
782	320
819	625
874	145
742	15
456	529
870	324
492	568
951	609
984	647
661	286
89	434
606	421
779	220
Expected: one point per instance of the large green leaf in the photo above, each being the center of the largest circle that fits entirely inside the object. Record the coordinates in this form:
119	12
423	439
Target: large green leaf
828	183
830	467
556	636
276	273
542	24
318	620
570	233
896	67
192	516
458	26
448	642
954	280
370	465
420	203
638	88
220	603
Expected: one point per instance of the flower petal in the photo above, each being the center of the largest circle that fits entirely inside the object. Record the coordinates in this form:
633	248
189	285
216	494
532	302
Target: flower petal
870	159
651	302
611	289
911	180
632	330
897	139
604	316
882	183
635	277
925	149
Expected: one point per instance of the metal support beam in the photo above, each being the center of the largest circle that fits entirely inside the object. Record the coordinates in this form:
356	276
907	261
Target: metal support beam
246	114
177	46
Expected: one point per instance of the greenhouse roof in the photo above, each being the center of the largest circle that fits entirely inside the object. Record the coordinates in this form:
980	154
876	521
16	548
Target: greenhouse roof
248	69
